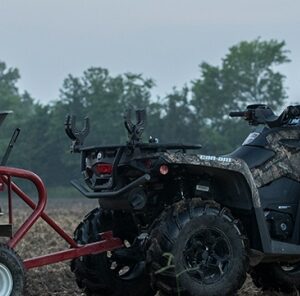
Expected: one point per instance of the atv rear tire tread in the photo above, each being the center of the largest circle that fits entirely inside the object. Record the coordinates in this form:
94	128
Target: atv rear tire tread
162	241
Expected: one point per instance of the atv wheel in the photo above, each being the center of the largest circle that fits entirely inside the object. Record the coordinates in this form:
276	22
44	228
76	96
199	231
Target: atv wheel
276	276
197	249
12	274
100	274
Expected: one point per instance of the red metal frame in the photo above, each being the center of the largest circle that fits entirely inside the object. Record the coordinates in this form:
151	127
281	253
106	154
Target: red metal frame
6	173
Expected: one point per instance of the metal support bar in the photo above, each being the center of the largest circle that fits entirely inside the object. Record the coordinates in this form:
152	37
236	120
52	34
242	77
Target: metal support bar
10	146
10	211
7	172
44	216
38	210
109	244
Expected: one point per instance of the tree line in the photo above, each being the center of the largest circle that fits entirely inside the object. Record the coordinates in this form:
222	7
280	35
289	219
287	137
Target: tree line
195	113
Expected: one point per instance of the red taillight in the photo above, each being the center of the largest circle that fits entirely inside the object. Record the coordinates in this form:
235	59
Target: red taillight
104	168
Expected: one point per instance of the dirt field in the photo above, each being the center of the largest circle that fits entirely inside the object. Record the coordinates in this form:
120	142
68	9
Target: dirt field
57	279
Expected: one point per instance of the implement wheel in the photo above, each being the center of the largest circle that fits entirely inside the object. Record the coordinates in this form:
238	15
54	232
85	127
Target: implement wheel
12	273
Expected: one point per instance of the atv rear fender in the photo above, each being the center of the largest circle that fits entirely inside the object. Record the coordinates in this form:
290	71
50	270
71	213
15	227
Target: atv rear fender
233	176
236	190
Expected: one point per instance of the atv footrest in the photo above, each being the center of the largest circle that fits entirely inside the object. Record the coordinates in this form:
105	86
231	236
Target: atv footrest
5	230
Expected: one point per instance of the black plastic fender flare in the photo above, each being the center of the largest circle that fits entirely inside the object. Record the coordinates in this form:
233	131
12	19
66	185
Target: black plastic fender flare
234	165
219	162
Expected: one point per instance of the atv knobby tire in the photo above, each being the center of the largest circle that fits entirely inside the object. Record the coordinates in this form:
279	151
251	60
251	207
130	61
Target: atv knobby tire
197	248
276	277
12	272
94	273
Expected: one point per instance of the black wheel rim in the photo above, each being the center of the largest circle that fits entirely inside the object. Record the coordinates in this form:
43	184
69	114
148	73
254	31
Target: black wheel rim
208	255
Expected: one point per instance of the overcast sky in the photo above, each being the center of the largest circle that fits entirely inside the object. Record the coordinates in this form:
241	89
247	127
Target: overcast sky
165	40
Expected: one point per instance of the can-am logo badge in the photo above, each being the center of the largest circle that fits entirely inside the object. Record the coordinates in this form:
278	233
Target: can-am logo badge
215	158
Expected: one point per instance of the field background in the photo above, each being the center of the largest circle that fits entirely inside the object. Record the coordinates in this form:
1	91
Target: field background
57	279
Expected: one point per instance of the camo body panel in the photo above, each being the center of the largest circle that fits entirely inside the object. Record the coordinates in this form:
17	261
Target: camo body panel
224	163
285	163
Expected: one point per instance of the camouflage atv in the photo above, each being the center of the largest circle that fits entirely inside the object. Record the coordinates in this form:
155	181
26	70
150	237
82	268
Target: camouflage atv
193	224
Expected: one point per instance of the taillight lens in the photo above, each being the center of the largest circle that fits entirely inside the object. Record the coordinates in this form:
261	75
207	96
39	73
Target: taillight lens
104	168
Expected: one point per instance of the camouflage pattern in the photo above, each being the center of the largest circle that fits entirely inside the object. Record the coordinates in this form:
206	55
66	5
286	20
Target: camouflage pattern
286	161
225	163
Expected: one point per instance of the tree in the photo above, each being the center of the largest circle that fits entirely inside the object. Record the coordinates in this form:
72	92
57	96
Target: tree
8	90
23	107
247	75
105	98
197	114
177	122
